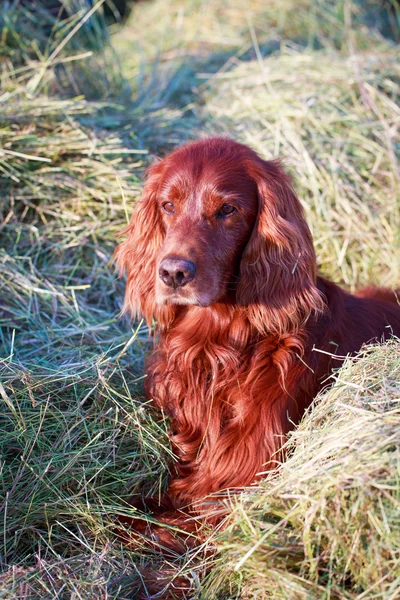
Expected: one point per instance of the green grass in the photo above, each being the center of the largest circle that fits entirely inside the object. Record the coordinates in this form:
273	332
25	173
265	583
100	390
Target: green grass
79	122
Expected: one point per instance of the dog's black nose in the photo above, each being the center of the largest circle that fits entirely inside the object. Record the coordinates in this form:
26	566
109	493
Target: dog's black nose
176	272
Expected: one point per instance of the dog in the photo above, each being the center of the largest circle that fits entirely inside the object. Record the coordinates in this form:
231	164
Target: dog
218	253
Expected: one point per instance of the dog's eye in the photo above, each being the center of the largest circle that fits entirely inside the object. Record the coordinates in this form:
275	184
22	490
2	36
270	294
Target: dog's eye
226	210
168	207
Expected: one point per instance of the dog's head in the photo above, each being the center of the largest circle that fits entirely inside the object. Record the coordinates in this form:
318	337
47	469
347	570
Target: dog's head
216	223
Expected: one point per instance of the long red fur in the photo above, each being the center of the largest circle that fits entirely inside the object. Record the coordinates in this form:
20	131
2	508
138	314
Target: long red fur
237	375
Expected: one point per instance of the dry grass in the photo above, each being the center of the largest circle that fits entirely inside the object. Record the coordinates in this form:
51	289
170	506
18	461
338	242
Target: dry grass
79	122
335	119
327	524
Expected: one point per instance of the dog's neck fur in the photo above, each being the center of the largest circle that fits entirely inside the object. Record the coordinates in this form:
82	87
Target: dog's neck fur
213	360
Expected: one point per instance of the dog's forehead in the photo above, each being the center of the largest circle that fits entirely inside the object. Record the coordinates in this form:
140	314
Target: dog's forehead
201	186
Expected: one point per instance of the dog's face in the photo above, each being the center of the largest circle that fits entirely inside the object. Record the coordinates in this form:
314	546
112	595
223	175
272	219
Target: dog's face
208	208
218	223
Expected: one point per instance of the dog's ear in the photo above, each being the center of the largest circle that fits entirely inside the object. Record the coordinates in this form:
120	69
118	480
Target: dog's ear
278	268
136	256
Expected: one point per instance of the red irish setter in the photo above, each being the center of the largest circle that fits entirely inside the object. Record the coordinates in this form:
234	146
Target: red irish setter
218	252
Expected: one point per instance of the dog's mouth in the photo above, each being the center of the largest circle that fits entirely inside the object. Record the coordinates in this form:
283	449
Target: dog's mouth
186	296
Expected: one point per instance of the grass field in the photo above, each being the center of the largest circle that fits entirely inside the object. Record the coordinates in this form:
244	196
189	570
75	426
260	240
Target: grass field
82	113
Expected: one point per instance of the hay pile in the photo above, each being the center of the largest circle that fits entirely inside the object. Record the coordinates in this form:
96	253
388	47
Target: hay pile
79	122
327	525
334	118
75	438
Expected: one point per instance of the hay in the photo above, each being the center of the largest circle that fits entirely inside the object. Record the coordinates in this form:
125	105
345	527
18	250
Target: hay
65	56
76	440
77	437
335	120
327	525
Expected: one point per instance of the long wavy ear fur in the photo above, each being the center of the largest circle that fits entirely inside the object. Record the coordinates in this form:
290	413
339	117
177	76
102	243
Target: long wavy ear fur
136	256
278	268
